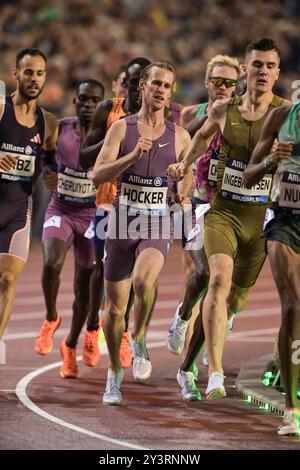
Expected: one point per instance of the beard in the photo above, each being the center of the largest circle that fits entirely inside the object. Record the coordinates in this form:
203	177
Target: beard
29	97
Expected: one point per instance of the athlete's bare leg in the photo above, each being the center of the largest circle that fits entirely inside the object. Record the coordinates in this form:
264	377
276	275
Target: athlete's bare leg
285	264
54	251
10	268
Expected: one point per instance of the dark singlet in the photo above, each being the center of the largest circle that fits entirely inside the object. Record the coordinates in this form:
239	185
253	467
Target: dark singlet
25	143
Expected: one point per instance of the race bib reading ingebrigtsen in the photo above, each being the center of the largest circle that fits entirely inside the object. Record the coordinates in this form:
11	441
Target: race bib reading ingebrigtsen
233	187
147	195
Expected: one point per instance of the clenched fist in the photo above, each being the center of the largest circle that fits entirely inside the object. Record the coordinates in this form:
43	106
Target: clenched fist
177	171
7	162
50	179
144	144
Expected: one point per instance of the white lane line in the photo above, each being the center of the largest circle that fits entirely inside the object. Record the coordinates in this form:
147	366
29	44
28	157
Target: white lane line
23	397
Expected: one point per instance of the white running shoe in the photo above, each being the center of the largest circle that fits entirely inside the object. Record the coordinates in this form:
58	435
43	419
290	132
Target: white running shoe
112	394
176	333
215	387
141	365
188	387
291	423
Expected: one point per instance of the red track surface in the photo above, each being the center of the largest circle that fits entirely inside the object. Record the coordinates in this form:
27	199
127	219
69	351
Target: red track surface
152	415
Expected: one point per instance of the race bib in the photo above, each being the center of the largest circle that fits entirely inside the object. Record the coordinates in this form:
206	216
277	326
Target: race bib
289	195
144	195
23	169
233	187
75	186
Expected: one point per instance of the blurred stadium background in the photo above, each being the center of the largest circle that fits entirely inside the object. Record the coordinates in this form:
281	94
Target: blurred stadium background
91	38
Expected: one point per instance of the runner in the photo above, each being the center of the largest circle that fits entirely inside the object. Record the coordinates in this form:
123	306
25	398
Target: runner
27	139
106	113
222	73
147	144
283	240
233	227
118	86
69	221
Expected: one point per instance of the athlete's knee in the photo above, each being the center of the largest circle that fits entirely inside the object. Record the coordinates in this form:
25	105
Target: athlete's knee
7	279
219	282
116	312
142	285
52	267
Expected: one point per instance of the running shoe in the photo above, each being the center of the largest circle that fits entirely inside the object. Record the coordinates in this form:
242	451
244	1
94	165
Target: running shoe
44	341
177	332
195	371
215	387
142	366
291	423
186	381
69	368
125	353
90	352
112	394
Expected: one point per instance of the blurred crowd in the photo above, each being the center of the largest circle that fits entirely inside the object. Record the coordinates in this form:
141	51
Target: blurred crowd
92	38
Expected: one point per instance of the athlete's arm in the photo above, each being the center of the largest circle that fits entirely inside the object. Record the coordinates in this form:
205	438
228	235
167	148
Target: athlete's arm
48	151
95	137
7	162
196	124
188	113
264	158
198	145
182	141
108	165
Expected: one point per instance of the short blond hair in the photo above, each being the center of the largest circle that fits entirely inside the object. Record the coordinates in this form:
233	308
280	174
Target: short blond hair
220	60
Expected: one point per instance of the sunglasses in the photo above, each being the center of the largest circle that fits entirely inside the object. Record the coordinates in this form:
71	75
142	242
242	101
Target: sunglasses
219	81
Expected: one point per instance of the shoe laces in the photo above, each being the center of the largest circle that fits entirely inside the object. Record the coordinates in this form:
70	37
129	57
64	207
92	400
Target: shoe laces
215	378
140	351
90	342
112	384
189	380
47	327
124	346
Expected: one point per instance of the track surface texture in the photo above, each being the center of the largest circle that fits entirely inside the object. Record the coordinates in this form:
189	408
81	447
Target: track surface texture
41	410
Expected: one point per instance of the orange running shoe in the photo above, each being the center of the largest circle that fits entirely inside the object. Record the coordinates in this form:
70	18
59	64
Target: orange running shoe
69	368
44	342
125	351
90	352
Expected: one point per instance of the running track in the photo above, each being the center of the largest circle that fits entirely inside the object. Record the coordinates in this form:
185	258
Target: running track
40	410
